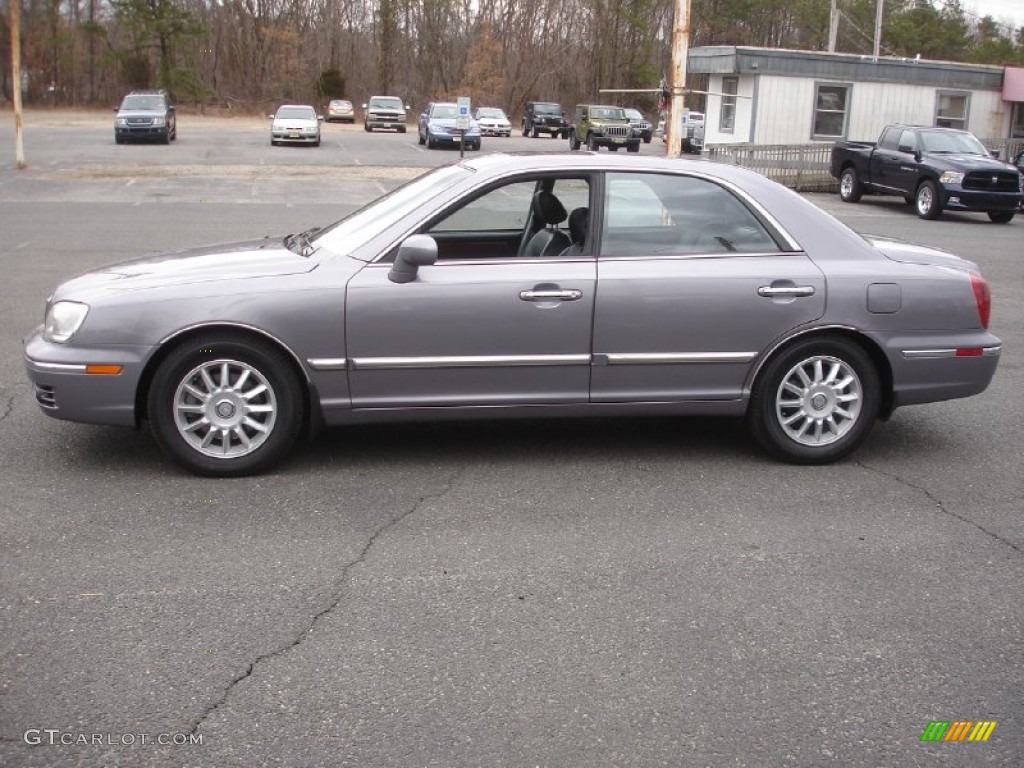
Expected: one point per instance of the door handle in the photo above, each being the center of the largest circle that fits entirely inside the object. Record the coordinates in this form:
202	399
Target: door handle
792	290
569	295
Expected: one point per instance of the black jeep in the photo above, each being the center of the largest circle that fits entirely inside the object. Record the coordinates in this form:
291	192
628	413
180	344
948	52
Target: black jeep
545	117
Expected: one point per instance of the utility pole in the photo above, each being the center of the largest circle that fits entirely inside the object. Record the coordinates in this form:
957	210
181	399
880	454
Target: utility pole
680	50
879	9
833	26
19	144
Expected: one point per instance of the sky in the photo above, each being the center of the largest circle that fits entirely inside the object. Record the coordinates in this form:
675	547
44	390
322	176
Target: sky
997	9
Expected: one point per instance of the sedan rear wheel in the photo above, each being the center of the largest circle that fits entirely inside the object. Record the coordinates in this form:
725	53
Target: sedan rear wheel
225	406
1001	217
816	401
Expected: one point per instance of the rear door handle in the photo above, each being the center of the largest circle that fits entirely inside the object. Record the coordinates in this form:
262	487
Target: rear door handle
790	290
569	295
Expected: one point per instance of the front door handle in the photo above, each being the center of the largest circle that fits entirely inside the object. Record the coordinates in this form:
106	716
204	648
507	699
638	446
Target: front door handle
772	292
570	295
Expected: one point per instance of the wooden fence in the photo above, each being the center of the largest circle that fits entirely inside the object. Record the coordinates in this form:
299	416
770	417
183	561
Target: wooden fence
804	167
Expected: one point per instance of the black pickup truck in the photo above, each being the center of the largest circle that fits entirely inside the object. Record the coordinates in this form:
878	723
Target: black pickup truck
934	169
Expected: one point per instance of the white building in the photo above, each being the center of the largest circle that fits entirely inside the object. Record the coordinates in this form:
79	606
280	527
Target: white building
775	96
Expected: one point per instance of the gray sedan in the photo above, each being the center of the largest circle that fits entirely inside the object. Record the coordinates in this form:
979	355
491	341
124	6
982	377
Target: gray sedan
529	285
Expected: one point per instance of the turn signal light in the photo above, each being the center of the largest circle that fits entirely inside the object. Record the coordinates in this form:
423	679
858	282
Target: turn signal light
104	370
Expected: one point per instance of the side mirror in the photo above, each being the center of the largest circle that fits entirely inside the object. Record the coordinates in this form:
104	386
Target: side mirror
320	118
270	117
995	153
364	106
117	109
415	251
407	107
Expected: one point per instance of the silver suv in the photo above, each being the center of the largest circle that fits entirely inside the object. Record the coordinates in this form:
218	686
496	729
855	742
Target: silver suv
384	112
146	116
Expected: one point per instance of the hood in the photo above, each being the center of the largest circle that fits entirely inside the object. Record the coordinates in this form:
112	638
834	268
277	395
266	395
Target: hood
141	112
913	253
258	258
295	122
966	163
451	123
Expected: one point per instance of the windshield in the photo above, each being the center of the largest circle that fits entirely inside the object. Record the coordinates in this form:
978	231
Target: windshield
607	113
490	112
341	103
296	113
143	102
445	111
960	143
547	109
386	104
634	114
359	227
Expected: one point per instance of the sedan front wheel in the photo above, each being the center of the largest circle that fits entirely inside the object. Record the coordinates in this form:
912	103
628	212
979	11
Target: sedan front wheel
816	401
225	406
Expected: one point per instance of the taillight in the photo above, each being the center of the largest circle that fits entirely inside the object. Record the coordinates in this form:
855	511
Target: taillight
982	297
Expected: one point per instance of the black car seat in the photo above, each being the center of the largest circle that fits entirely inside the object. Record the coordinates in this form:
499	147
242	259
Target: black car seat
549	241
578	221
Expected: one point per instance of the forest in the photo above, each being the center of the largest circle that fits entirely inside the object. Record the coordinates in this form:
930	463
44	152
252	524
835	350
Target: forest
246	56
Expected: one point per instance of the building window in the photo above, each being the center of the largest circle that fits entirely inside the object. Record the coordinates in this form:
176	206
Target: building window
951	109
727	117
831	104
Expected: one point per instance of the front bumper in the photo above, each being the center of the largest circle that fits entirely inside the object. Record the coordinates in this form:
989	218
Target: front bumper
956	198
141	133
455	139
64	390
615	141
495	130
385	121
290	137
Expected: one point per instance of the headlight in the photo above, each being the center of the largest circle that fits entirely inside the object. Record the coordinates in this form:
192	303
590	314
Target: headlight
63	320
951	177
122	121
158	121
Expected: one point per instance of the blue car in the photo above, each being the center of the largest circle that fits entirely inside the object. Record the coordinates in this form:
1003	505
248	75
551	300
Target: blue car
437	127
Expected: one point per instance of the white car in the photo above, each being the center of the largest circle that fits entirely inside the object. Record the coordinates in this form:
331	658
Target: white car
295	124
493	122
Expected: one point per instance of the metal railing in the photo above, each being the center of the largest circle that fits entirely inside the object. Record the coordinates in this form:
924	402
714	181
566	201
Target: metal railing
804	167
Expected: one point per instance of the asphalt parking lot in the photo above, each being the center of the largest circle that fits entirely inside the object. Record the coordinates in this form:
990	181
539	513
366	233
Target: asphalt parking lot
592	593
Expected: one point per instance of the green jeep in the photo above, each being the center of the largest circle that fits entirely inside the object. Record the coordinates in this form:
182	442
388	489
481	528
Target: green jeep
597	125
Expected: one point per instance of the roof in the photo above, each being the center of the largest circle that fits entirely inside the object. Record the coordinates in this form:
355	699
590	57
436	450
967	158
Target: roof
743	60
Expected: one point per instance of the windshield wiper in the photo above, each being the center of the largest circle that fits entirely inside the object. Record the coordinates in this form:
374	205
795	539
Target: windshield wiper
299	242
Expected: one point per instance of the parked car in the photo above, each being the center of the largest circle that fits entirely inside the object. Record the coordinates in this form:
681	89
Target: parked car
295	124
1019	162
640	123
493	122
933	169
598	125
438	125
677	288
146	116
693	138
385	112
340	110
544	117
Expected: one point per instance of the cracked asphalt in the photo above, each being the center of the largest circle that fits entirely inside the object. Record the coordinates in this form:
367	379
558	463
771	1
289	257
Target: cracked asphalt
591	593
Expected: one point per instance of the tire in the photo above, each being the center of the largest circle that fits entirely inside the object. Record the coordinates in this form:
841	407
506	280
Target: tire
926	200
367	128
316	143
613	148
430	142
420	139
792	422
1001	217
553	135
260	409
591	143
850	188
526	129
403	129
118	139
536	133
166	137
633	147
647	139
574	142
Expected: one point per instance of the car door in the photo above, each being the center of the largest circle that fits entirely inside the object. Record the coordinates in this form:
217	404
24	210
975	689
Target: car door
693	285
482	326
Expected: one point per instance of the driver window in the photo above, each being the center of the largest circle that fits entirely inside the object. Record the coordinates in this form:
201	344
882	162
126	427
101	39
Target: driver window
504	208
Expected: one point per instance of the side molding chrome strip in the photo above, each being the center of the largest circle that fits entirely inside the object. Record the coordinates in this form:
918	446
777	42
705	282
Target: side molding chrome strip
937	354
466	361
59	367
657	358
327	363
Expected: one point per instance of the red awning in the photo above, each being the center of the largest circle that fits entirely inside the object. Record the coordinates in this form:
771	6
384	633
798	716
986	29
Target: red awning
1013	84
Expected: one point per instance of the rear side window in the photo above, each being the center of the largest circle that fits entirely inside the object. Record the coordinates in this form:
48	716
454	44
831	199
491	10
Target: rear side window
651	214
